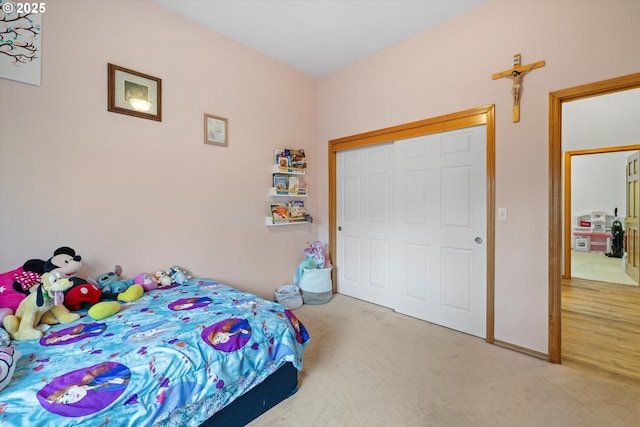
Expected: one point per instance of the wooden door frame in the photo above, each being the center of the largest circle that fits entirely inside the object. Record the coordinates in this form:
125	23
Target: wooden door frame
631	221
464	119
568	158
556	99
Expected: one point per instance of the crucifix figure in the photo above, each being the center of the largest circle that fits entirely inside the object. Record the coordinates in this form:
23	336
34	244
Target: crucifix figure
517	75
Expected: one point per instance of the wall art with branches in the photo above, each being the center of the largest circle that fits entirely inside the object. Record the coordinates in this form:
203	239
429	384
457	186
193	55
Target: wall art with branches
20	41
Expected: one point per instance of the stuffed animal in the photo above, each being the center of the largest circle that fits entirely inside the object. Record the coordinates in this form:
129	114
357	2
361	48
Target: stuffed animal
47	297
147	280
110	281
163	278
111	288
100	305
316	251
5	338
64	261
8	358
179	275
4	312
309	262
4	335
82	293
68	263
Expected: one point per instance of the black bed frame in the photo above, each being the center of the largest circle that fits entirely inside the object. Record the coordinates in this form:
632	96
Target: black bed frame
246	408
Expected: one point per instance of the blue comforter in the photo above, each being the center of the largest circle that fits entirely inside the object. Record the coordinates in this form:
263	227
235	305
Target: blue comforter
174	357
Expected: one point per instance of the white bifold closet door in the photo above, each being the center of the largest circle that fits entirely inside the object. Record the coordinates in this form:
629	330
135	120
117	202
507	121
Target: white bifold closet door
411	218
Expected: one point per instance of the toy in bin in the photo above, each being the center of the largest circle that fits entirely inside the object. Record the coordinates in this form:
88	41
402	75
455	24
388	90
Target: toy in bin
313	275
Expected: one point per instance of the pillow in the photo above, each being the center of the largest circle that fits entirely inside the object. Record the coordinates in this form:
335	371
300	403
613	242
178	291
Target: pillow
8	358
9	297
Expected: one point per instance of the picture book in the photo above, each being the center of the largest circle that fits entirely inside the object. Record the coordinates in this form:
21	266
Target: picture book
291	159
293	184
297	211
297	159
302	186
281	183
284	162
279	212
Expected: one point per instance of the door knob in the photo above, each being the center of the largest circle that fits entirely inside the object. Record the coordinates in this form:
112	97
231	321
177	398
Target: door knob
478	240
339	228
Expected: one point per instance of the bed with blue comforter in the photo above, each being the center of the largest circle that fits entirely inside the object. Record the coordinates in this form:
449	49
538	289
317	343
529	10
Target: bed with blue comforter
174	357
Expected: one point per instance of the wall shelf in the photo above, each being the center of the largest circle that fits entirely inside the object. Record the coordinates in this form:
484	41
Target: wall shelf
269	222
292	184
274	193
290	171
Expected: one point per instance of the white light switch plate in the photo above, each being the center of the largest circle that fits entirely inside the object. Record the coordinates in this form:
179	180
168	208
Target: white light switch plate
502	214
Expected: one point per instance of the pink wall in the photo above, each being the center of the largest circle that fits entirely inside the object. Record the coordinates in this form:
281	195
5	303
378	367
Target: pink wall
147	195
448	69
144	194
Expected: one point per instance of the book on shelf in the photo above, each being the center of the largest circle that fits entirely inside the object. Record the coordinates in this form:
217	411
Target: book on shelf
297	159
281	183
297	212
302	186
284	162
293	184
279	213
293	159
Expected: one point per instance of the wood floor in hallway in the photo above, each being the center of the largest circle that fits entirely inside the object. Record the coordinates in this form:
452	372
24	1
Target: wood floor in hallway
601	326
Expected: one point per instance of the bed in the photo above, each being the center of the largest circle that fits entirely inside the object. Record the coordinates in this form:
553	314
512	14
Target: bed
200	353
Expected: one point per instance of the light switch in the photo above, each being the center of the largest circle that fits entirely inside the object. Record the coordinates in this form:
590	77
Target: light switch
502	214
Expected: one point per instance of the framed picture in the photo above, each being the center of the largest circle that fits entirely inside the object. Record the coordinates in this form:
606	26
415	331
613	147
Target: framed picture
134	94
216	131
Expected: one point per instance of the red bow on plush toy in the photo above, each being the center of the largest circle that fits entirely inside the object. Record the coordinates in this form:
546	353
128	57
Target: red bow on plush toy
27	279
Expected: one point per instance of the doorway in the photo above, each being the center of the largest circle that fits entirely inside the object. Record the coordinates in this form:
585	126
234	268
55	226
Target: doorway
600	179
556	101
456	121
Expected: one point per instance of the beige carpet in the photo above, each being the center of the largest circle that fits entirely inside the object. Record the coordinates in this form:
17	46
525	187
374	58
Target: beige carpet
368	366
598	266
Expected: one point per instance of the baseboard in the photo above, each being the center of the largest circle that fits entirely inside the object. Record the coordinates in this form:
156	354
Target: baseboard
520	349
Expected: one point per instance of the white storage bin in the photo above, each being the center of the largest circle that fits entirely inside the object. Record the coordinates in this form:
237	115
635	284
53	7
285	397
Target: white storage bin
316	286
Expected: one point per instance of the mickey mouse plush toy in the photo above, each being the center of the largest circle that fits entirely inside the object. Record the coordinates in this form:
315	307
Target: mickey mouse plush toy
82	294
66	262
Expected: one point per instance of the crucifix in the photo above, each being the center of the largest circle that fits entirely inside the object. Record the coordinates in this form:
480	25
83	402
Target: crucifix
517	75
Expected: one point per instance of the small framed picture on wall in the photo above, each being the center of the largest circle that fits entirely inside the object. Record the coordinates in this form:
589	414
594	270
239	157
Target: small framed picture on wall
216	130
133	93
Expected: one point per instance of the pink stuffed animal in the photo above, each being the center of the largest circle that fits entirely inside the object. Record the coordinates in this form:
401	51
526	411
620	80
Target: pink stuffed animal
146	280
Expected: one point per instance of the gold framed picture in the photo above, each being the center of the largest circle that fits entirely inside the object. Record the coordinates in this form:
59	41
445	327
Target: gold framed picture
216	130
133	93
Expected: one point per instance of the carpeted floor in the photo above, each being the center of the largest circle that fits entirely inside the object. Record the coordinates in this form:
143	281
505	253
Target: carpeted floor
369	366
598	266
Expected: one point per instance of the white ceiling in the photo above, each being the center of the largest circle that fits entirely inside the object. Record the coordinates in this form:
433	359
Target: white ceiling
320	36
